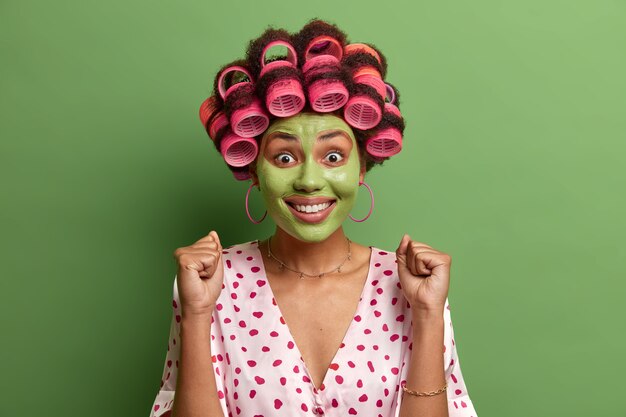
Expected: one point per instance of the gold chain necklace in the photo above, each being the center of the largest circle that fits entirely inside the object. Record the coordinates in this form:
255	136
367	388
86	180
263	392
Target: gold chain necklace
302	274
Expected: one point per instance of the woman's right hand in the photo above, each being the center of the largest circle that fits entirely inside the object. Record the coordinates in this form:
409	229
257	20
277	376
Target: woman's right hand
200	276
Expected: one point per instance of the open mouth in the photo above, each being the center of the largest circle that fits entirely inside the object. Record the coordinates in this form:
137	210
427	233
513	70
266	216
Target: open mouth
311	213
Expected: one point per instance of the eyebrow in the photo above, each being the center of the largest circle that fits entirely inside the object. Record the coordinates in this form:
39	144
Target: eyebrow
324	137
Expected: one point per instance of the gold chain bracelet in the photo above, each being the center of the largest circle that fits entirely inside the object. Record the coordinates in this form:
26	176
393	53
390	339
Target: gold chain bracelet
424	394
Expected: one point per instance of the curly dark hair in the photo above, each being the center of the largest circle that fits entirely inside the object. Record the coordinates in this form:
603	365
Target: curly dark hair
255	79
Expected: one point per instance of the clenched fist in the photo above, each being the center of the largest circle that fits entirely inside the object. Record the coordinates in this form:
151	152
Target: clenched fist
424	274
200	276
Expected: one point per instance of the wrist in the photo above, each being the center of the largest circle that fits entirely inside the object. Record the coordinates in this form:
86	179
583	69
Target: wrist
197	318
427	314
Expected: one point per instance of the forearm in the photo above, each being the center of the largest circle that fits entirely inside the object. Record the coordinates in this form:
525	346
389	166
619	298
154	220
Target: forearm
426	370
196	390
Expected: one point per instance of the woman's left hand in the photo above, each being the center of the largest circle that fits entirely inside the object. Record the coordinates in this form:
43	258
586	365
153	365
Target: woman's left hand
424	275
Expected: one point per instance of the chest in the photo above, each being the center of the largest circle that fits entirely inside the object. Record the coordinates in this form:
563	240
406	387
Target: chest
318	318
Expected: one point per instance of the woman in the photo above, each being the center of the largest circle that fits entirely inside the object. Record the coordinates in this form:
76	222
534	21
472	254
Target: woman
307	322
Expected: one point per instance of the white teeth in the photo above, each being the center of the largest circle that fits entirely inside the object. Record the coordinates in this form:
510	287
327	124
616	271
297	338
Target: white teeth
311	208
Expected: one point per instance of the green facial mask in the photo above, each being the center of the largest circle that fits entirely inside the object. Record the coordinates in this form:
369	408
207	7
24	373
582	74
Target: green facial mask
308	167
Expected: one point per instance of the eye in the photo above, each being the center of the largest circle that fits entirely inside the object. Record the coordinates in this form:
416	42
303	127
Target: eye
284	158
335	156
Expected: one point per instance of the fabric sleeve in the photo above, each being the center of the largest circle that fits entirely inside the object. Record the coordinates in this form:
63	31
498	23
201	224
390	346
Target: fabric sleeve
165	396
459	402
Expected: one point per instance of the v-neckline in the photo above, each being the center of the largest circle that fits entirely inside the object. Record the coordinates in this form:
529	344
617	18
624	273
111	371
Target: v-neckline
359	307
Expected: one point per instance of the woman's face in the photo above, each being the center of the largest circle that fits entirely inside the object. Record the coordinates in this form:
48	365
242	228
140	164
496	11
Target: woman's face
308	170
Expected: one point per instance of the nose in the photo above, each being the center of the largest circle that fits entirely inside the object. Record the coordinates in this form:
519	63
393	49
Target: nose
311	177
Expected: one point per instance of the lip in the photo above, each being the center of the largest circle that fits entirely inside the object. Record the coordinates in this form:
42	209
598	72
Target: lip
318	217
307	200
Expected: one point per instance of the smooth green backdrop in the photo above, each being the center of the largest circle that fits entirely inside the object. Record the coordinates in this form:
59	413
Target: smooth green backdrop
513	164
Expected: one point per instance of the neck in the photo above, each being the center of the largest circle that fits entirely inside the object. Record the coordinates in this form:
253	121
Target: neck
310	257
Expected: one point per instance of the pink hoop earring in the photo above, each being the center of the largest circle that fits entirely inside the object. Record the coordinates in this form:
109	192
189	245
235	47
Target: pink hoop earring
371	205
248	209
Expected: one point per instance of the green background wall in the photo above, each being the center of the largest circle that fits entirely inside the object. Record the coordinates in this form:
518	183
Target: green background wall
515	140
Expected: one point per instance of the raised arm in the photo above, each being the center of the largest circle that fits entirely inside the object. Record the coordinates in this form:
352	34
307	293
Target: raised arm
189	372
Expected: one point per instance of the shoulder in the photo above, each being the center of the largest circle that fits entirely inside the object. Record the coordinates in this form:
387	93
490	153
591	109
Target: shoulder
384	269
240	251
383	258
238	248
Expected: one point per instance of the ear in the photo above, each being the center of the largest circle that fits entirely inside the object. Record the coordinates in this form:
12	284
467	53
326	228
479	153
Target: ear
362	170
252	171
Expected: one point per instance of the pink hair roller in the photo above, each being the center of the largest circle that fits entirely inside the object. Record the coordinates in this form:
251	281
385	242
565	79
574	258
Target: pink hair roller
388	141
251	120
238	151
208	109
324	53
370	76
323	46
361	47
362	112
241	175
218	123
284	97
